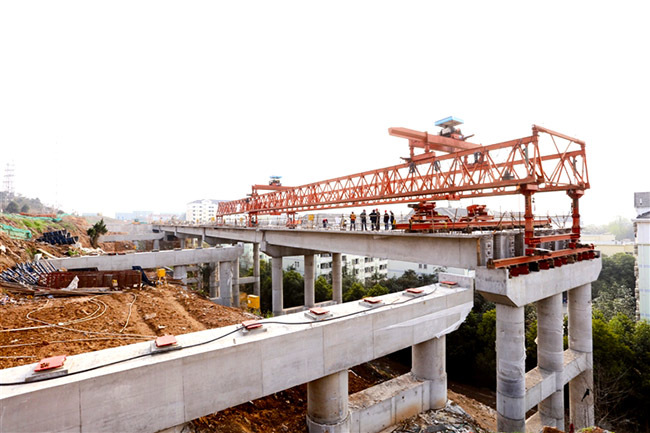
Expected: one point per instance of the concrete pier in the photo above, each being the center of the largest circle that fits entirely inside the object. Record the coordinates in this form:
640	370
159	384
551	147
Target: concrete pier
235	285
214	280
581	388
225	283
337	278
256	268
428	359
511	369
327	404
519	391
310	276
550	357
276	286
180	273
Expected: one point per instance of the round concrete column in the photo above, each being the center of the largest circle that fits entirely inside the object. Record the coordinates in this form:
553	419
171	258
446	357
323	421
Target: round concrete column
276	286
550	357
327	404
310	297
225	283
180	273
581	388
214	278
235	286
428	359
256	268
511	369
337	278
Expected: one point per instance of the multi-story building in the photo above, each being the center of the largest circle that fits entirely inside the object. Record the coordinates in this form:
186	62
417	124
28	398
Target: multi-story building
202	211
360	267
642	246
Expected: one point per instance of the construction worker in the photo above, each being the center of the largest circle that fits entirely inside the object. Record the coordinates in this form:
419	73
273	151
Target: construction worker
353	221
363	220
392	220
386	219
373	220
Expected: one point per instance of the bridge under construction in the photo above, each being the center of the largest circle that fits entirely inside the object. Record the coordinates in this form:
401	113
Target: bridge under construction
513	267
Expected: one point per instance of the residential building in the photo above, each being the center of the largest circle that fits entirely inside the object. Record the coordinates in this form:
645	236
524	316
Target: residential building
642	244
202	211
360	267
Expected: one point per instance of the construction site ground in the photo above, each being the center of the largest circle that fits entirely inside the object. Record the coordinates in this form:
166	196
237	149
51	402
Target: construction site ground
33	328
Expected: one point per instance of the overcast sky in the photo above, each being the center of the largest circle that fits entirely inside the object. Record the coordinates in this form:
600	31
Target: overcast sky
119	106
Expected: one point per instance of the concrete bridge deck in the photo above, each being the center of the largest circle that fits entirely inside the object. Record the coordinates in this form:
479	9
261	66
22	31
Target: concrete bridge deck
454	250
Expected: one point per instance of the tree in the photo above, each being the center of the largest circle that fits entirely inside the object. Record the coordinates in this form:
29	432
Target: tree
12	207
355	292
322	289
293	288
96	231
377	290
614	300
618	268
25	208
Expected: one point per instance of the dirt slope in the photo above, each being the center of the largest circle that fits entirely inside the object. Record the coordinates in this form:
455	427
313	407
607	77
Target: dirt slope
100	322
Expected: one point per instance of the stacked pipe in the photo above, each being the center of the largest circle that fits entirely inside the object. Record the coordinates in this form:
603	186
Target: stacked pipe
27	273
58	237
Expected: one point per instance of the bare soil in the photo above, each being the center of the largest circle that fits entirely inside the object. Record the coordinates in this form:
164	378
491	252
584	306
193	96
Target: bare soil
84	324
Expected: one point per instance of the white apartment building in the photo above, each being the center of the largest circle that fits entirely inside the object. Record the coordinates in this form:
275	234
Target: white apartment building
202	211
642	244
360	267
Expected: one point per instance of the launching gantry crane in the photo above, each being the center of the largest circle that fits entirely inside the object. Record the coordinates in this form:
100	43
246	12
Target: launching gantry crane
446	166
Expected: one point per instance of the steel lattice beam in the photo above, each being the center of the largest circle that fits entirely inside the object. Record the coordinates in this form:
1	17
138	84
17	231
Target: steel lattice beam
552	162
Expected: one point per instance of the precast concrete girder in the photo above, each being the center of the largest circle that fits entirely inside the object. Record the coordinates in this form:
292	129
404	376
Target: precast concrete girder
151	260
280	251
454	250
220	368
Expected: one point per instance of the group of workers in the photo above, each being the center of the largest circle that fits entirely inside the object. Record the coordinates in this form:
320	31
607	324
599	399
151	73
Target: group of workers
375	220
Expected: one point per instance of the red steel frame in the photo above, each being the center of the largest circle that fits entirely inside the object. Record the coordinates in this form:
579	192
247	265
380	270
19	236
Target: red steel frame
526	165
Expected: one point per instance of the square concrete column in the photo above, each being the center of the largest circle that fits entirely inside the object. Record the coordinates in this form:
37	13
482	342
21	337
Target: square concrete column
550	357
235	286
428	359
276	286
327	404
214	280
310	296
256	268
511	369
183	243
180	273
581	388
156	244
225	283
337	278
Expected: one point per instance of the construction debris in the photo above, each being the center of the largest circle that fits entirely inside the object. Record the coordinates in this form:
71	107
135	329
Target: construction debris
58	237
451	418
27	273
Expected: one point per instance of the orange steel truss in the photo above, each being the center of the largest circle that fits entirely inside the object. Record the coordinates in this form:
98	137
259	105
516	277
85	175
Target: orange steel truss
544	161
